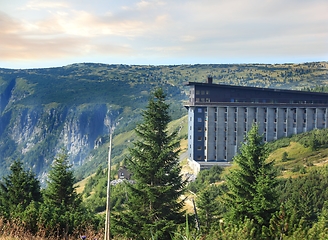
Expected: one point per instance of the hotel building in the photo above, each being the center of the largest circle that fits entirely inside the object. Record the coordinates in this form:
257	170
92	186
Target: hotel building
219	116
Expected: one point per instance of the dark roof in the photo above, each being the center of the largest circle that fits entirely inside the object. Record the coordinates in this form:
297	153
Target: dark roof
212	85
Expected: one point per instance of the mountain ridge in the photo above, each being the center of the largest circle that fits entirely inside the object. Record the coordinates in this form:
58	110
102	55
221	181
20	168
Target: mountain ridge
45	110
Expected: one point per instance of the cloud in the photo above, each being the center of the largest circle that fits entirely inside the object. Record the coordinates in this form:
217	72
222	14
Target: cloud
40	5
149	29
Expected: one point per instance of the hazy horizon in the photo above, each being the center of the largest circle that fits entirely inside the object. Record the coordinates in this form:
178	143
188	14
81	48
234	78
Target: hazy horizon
48	33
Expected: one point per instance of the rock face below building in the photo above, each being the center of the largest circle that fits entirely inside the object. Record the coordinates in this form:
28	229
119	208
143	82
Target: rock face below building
219	116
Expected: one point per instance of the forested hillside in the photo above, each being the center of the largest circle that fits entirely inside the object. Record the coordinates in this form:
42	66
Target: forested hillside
72	107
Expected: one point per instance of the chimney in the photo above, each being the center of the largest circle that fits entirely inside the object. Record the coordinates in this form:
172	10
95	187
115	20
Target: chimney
209	79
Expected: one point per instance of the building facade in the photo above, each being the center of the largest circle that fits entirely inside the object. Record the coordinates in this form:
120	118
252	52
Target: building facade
219	116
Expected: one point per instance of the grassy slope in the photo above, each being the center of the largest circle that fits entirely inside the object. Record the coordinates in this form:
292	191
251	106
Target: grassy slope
299	157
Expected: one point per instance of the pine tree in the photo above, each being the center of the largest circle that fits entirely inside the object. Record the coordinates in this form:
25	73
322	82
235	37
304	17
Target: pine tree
153	208
18	190
62	209
252	183
209	208
60	185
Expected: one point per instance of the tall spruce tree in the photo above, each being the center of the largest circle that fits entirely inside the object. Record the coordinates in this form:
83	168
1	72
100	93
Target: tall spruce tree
153	209
209	208
60	185
62	209
18	190
252	183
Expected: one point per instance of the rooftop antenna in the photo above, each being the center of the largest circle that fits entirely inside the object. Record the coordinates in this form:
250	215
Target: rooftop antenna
209	79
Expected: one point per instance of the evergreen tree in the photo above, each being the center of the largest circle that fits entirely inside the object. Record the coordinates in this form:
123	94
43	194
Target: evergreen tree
153	207
60	185
319	229
18	190
209	208
62	210
252	183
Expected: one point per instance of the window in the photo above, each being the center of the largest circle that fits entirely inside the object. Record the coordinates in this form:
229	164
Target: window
199	110
199	119
207	92
199	129
199	138
199	148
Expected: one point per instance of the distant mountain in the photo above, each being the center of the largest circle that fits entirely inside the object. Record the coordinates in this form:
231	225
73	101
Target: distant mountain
71	107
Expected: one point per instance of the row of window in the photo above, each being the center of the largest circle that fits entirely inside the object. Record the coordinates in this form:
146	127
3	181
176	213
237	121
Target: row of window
202	92
294	119
265	110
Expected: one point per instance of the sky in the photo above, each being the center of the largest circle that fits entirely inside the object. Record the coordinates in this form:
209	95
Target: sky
55	33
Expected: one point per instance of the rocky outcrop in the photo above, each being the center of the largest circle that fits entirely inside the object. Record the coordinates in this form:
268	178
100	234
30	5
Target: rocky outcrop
36	133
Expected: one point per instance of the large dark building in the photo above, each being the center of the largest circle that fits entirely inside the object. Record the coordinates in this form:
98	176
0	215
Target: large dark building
219	116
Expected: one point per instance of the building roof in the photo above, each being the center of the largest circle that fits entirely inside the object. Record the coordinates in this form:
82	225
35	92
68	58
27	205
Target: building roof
209	93
235	87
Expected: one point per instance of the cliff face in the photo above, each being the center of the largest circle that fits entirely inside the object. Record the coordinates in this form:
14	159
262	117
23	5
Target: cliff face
35	134
45	111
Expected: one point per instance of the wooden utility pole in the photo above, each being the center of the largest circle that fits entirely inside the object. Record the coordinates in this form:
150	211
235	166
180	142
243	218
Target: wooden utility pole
107	223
